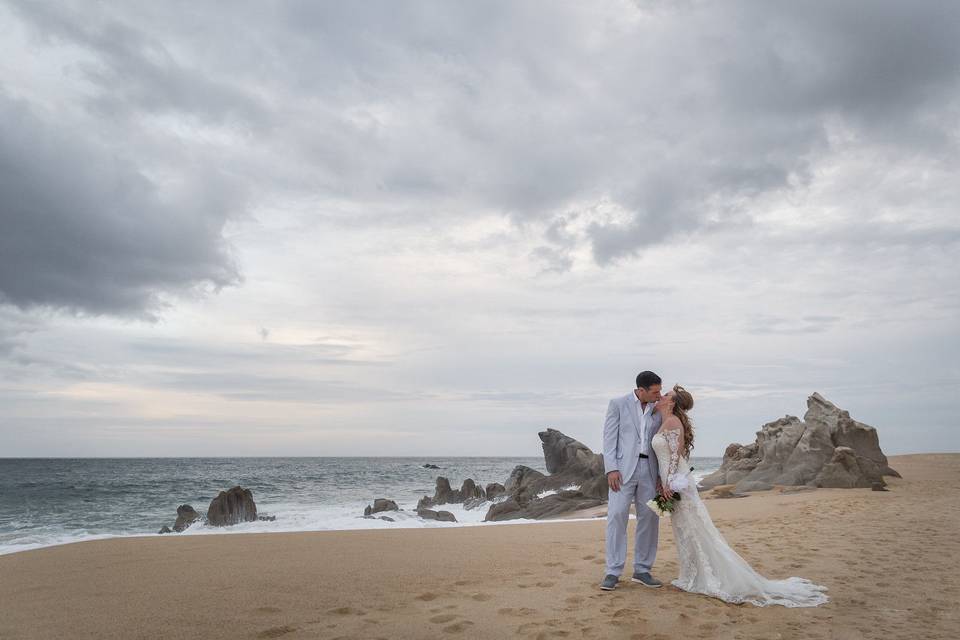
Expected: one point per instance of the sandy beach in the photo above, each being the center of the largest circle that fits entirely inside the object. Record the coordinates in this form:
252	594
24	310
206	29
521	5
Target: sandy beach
891	561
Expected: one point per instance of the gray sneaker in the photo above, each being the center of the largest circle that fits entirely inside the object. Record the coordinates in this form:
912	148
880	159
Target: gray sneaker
609	582
646	580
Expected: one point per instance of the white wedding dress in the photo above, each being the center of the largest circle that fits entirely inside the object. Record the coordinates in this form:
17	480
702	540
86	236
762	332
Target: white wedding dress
707	563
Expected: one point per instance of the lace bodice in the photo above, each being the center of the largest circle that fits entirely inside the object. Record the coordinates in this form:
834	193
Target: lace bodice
674	467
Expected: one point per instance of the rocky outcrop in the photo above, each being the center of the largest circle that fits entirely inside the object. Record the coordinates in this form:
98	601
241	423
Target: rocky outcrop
494	490
542	508
445	494
521	483
470	491
430	514
576	481
506	510
380	504
186	516
232	507
430	466
826	449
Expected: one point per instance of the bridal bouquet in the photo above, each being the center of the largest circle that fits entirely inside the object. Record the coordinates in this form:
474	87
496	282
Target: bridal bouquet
662	506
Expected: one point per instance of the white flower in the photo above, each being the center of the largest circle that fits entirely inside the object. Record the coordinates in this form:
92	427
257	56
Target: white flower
652	504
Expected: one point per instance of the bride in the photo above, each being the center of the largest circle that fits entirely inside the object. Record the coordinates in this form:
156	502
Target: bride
707	564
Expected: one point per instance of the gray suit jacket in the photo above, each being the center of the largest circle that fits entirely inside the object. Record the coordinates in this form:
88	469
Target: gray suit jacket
621	438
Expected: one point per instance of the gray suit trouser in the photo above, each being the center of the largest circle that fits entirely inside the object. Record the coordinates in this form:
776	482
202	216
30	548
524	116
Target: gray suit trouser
636	490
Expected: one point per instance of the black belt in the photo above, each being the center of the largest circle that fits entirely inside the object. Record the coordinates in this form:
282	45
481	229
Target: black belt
643	455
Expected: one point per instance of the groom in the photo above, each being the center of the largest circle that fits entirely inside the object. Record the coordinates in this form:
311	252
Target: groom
633	476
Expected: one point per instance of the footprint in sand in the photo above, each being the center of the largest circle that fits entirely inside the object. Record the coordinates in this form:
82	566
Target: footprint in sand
544	584
554	564
569	571
590	557
276	632
427	597
267	610
481	597
458	627
342	611
462	583
446	617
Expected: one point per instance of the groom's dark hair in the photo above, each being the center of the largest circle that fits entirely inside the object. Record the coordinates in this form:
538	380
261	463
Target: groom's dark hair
646	379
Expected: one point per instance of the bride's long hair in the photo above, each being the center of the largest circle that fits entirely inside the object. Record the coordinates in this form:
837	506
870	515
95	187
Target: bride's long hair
682	403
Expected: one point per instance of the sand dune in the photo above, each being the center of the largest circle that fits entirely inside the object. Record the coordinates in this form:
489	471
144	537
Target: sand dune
891	561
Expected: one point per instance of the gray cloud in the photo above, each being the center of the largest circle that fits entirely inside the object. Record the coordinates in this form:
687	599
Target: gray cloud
85	230
682	116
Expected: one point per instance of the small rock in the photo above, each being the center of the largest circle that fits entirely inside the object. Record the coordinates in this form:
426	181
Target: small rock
430	514
165	529
186	515
495	490
878	486
430	466
387	518
469	490
381	504
473	503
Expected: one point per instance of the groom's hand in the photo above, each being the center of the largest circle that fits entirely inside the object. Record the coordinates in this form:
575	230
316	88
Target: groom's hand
661	490
614	479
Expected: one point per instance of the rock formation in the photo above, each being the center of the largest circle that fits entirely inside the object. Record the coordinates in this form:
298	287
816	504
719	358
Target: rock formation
232	507
444	494
430	514
576	481
186	515
494	490
826	449
380	504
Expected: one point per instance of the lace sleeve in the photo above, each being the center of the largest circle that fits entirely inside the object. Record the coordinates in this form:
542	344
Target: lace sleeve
673	437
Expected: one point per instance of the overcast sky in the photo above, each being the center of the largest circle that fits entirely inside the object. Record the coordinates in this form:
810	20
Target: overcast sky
434	228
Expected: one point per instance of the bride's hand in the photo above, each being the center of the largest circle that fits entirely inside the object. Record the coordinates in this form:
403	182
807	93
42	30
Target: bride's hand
662	490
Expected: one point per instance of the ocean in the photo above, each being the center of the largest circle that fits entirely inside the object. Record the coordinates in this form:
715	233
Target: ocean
50	501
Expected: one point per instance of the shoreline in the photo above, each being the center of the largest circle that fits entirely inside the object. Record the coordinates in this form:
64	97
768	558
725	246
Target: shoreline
507	582
310	506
